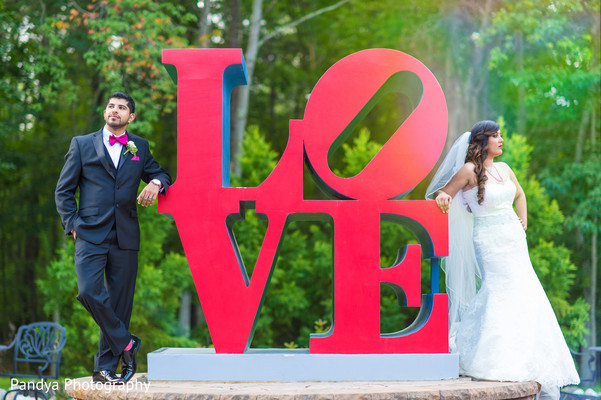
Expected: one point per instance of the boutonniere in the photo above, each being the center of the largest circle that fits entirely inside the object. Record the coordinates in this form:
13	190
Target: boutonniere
131	148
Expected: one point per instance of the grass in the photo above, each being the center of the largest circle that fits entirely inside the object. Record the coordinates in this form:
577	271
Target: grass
4	382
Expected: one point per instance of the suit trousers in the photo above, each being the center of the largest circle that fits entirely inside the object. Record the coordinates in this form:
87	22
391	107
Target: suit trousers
106	280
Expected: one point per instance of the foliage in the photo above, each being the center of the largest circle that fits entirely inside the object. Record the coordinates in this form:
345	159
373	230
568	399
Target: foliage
580	185
546	57
359	154
542	210
257	161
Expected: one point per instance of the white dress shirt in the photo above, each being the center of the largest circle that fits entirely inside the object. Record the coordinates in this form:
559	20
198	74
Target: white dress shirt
114	150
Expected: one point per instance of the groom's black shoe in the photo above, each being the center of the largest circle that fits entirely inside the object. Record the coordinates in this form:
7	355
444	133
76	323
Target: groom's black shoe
106	376
128	359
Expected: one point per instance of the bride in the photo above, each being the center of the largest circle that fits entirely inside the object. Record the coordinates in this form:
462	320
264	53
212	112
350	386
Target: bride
506	330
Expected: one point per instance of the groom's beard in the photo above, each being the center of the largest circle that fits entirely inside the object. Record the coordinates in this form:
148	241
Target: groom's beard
116	123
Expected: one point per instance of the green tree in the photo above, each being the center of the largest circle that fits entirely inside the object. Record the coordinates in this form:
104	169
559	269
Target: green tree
546	57
27	163
72	55
579	187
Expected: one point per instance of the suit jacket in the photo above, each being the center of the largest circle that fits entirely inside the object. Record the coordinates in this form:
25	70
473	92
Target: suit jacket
107	195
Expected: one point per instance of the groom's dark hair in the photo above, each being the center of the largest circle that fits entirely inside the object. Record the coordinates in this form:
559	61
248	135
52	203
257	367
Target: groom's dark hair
131	104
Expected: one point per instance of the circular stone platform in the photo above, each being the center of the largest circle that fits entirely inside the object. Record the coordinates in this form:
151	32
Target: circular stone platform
140	388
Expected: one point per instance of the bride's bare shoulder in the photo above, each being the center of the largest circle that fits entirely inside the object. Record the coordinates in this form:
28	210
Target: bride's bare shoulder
468	168
466	175
504	167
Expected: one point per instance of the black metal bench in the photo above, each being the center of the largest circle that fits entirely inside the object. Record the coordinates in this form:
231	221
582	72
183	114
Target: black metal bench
13	394
37	345
574	396
593	357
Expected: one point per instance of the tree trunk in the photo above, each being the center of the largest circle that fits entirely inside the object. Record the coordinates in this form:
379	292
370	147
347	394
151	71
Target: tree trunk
454	95
234	40
519	58
581	136
594	240
254	43
204	25
479	83
466	92
594	287
185	313
244	91
234	33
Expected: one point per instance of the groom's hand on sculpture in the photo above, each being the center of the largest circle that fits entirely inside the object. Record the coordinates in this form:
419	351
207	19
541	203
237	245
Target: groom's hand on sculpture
443	201
148	194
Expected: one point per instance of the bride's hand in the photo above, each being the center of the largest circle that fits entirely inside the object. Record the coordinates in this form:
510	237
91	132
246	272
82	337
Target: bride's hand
443	201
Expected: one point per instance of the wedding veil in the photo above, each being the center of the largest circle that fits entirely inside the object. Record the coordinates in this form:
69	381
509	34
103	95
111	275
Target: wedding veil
461	268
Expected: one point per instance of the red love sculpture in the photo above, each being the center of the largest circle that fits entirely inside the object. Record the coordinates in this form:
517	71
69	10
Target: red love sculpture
204	206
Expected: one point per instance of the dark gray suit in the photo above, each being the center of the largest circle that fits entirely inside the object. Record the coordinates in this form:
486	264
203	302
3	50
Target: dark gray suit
108	233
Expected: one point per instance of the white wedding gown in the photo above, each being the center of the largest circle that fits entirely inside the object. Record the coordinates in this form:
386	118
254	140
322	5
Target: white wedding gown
509	331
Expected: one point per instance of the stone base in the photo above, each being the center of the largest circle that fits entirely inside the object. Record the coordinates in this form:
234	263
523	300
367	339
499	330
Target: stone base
457	389
264	365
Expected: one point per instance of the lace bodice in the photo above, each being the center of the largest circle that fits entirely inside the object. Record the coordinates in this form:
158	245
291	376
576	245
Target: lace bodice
498	199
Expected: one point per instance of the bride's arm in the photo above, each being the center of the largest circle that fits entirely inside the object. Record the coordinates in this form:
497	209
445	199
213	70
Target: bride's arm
461	179
521	206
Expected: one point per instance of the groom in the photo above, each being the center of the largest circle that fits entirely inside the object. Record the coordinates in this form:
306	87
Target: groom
107	167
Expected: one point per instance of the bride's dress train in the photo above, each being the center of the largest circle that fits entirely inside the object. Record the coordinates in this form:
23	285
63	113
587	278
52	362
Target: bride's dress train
509	331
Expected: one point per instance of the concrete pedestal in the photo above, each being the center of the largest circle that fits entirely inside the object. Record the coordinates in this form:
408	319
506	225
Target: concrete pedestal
140	388
284	365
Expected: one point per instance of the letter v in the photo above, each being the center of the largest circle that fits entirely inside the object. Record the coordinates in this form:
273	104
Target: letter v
232	303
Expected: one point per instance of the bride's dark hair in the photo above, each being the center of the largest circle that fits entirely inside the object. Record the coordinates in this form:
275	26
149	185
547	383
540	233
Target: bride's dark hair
477	151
